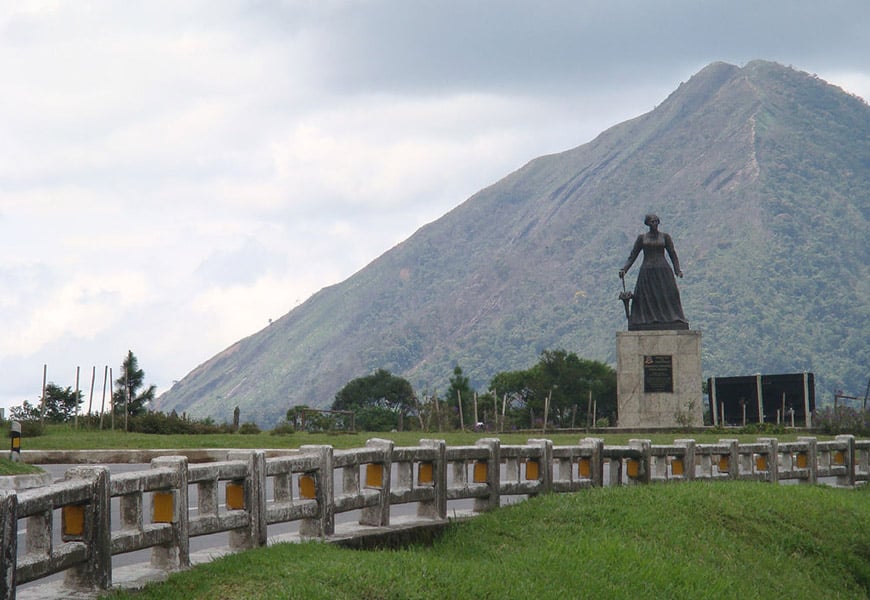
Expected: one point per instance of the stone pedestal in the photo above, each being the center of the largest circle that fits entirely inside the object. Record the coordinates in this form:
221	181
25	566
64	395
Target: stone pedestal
658	378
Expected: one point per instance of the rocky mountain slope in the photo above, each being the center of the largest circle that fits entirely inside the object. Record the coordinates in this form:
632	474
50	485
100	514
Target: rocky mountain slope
762	176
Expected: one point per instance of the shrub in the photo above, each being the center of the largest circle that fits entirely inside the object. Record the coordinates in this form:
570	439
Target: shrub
283	428
249	429
32	428
163	424
843	419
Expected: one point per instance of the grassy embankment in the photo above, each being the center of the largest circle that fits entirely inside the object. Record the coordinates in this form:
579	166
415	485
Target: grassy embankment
698	540
7	467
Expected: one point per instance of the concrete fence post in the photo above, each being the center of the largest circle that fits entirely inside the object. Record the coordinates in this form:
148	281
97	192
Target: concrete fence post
688	458
324	524
596	462
644	472
812	459
848	461
493	476
8	543
733	457
379	515
175	555
96	572
255	534
545	469
772	458
437	507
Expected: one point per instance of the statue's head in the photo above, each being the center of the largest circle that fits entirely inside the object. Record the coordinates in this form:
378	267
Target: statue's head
648	219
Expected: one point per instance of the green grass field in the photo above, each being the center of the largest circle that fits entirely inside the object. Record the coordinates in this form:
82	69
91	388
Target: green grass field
700	540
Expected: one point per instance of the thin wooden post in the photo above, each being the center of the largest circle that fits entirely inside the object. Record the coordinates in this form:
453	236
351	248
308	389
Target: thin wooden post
103	406
589	411
760	398
126	396
76	400
112	397
459	402
91	396
808	416
44	377
503	407
546	410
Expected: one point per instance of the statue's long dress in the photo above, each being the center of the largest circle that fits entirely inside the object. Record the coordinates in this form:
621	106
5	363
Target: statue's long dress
656	302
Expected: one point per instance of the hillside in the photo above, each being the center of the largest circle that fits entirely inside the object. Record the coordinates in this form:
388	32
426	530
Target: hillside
762	176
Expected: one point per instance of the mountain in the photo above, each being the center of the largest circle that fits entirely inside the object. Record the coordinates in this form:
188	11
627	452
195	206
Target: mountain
761	174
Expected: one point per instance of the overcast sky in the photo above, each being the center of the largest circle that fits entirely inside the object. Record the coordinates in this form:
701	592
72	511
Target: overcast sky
175	174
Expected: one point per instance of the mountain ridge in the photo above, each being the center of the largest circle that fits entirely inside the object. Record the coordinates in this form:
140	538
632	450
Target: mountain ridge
753	170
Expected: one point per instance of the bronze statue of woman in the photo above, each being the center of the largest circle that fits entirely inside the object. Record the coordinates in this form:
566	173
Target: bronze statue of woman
655	303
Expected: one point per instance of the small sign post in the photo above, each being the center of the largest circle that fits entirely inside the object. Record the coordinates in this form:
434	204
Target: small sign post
15	439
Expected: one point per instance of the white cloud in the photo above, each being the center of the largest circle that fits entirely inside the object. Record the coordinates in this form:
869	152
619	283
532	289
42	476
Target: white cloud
173	175
83	308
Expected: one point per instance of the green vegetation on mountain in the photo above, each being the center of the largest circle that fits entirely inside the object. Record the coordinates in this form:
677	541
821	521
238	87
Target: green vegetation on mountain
761	174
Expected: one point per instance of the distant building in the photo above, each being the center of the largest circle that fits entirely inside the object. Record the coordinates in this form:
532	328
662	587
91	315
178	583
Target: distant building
785	399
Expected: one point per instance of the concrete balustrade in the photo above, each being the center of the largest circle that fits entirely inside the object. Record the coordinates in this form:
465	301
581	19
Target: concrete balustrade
307	489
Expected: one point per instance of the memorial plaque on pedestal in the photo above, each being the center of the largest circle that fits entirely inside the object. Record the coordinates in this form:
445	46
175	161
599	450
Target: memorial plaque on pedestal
658	374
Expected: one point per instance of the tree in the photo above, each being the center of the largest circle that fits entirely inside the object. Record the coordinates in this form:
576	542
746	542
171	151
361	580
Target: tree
568	381
460	389
25	412
61	403
380	400
126	395
60	406
296	415
571	382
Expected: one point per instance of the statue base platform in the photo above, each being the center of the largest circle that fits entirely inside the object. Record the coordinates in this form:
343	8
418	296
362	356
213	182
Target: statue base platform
658	378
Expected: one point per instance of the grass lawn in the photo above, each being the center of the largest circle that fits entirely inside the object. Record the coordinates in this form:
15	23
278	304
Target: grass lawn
699	540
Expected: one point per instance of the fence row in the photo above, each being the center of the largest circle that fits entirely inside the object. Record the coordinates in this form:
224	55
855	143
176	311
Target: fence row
310	486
